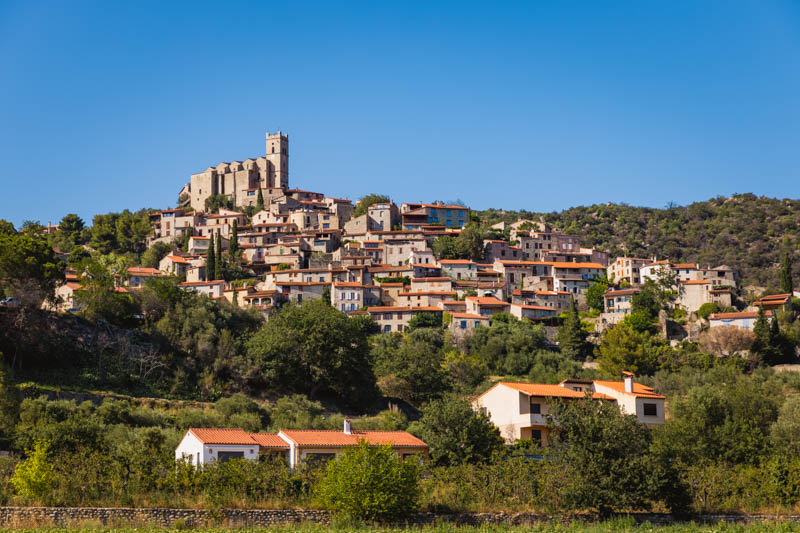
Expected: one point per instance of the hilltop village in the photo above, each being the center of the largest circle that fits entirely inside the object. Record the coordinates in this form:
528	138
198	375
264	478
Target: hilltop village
292	328
294	245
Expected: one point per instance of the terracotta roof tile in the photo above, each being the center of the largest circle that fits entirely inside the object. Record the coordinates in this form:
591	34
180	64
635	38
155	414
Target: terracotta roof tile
269	440
222	436
333	438
639	390
550	391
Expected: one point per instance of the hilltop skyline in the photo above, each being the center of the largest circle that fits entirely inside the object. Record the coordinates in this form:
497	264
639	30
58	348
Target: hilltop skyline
525	107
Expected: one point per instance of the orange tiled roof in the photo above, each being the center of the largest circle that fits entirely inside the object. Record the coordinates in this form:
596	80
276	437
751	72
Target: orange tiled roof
551	391
456	262
469	316
269	440
567	264
177	259
425	280
696	282
487	300
142	271
642	391
335	438
685	266
730	316
388	309
222	436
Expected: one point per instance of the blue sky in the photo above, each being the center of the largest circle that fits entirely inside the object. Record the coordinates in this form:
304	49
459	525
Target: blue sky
530	105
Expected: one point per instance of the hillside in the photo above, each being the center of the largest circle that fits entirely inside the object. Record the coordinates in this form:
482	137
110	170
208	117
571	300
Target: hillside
744	231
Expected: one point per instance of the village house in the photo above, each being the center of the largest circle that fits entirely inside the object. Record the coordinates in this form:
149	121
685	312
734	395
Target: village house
532	312
498	250
774	302
350	296
516	272
459	268
557	300
694	293
576	277
201	446
212	289
617	304
390	292
463	324
485	306
138	276
521	410
174	265
745	319
301	291
424	298
626	268
417	215
396	318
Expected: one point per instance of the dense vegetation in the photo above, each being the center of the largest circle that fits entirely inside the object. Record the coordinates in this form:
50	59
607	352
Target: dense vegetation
732	417
749	233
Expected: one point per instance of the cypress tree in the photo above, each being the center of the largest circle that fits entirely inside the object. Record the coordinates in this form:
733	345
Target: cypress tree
260	201
218	265
233	246
762	332
787	284
210	259
570	335
187	235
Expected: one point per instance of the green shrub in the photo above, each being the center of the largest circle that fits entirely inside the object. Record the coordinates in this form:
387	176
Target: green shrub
370	483
33	478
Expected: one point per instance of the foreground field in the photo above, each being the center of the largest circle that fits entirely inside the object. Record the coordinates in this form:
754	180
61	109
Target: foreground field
604	527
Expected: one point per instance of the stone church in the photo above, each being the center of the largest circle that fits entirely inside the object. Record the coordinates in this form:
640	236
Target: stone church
241	180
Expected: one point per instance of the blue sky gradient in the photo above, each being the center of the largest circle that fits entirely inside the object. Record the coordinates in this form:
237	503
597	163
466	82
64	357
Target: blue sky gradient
529	105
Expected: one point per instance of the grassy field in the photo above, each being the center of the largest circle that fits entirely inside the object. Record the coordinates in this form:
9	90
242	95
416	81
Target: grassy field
603	527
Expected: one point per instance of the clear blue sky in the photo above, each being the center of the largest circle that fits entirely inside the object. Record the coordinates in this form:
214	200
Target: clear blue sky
535	105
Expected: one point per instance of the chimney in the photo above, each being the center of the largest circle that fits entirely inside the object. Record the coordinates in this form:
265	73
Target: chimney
627	377
346	426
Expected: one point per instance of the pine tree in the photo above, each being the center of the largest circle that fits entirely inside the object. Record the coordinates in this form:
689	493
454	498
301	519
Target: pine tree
210	259
218	265
233	246
787	284
571	337
260	201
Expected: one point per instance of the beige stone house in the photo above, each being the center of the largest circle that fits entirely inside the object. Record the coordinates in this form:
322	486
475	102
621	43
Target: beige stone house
463	324
626	268
485	306
396	318
351	296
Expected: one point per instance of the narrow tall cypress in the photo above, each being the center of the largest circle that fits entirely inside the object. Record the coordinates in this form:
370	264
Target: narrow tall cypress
260	200
787	283
211	267
186	240
218	265
233	246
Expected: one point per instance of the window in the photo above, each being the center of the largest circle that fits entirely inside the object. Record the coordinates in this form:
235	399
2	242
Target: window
650	409
387	328
463	324
224	457
387	316
536	435
536	408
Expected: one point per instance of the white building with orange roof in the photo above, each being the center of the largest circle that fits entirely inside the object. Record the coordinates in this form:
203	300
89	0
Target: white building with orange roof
743	319
138	276
485	305
321	445
174	265
557	300
521	410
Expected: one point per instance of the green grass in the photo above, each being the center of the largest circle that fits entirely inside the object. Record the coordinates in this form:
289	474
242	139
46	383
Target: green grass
603	527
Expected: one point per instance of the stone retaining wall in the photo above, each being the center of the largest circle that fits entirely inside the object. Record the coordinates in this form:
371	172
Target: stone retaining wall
65	516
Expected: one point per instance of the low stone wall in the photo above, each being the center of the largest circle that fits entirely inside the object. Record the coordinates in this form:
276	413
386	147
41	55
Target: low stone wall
121	516
64	516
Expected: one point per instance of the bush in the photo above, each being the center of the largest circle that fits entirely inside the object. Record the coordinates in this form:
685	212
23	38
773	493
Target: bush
707	309
370	483
33	478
